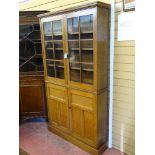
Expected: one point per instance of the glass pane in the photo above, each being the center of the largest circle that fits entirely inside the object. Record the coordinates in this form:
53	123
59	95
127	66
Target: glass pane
48	28
50	68
27	67
74	44
38	48
73	36
87	56
36	27
86	23
87	67
37	61
74	55
75	72
58	44
49	54
86	35
88	43
58	37
87	73
72	24
60	70
75	75
24	30
30	49
48	38
59	54
48	44
57	27
87	77
75	66
35	35
26	48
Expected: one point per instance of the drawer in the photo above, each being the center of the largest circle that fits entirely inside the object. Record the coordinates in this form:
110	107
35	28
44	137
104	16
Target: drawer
82	100
56	92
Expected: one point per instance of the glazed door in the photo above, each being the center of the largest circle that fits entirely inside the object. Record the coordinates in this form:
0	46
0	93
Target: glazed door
53	37
80	47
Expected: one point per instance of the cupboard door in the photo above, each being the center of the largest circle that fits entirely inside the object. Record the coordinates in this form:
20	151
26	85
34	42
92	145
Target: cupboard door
80	48
32	101
82	115
57	106
54	48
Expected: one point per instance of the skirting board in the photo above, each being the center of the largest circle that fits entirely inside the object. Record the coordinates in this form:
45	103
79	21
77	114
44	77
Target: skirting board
80	144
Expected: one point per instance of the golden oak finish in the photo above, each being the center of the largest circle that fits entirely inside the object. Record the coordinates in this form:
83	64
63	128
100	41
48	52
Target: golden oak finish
75	52
57	106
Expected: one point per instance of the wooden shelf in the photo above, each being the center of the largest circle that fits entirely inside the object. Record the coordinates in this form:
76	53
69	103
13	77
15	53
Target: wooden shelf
73	32
57	34
87	63
88	49
86	39
55	60
48	35
87	69
48	40
58	48
57	40
75	68
52	65
49	48
75	48
73	40
79	62
84	32
59	66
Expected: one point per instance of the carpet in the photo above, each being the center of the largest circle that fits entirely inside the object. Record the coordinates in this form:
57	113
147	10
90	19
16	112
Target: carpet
22	152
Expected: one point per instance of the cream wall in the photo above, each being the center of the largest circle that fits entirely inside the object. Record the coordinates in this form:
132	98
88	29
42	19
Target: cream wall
53	5
123	136
124	80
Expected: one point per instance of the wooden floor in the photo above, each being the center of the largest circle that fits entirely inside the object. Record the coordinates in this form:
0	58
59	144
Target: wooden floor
35	139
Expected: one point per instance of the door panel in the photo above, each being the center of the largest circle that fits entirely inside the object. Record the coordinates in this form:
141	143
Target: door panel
32	99
63	115
53	112
82	115
76	121
58	105
88	125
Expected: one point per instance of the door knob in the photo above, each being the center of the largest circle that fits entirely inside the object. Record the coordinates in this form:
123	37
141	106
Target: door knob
66	56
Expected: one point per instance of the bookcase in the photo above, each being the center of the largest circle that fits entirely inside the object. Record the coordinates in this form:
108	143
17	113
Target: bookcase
75	54
32	101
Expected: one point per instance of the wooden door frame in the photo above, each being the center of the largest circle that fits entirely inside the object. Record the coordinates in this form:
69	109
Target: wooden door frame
47	78
79	13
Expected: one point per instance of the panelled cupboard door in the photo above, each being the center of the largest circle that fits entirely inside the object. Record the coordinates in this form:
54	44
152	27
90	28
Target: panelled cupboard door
81	47
82	115
57	106
32	99
54	48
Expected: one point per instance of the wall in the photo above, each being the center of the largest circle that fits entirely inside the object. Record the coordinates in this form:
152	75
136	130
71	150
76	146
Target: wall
124	91
53	5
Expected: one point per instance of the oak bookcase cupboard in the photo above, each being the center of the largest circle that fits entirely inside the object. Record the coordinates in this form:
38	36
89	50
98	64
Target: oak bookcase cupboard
75	54
31	76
